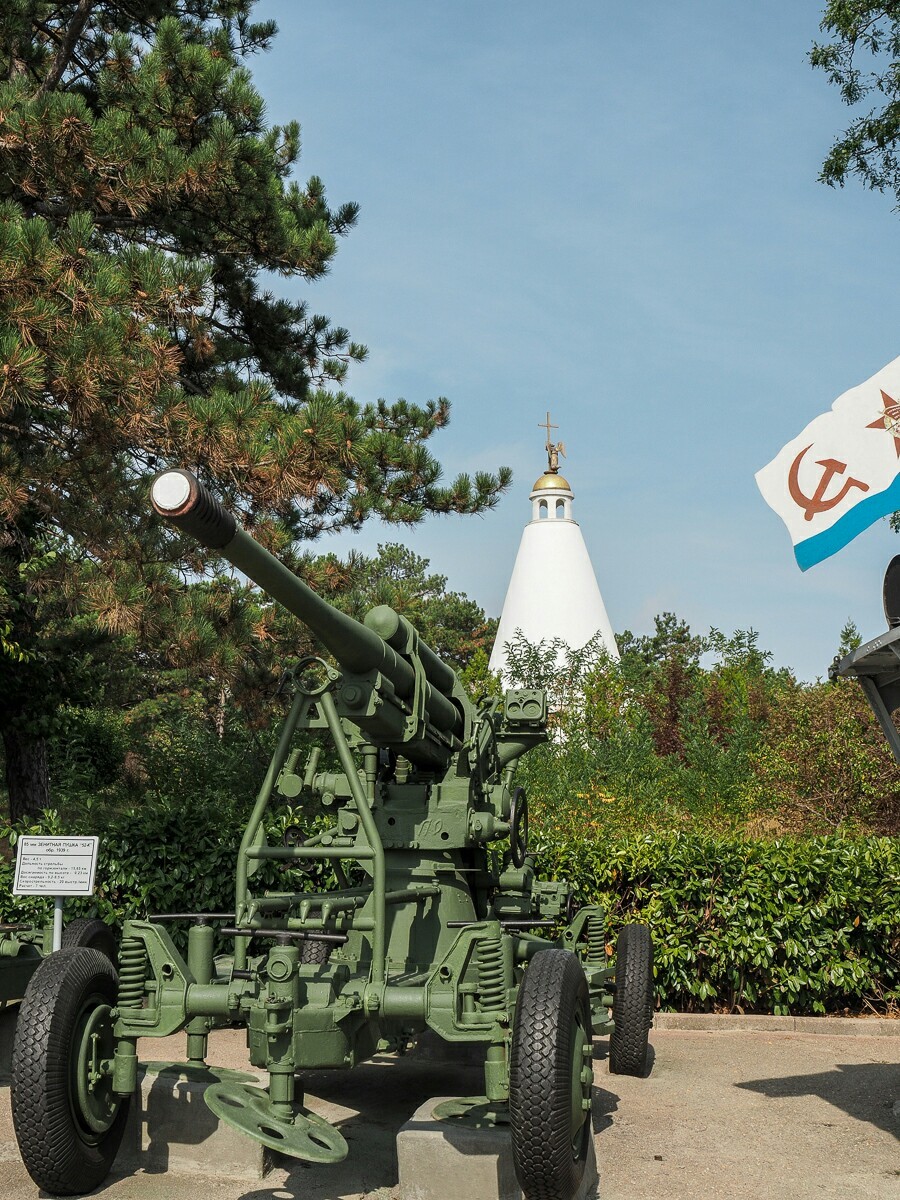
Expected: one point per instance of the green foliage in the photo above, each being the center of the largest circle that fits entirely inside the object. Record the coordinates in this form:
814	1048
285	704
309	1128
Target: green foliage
823	762
662	772
862	60
143	200
786	926
661	768
154	859
164	752
690	731
454	626
478	678
851	638
151	860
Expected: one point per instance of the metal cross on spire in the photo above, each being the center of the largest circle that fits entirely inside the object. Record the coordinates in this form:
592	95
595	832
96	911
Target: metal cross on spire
553	449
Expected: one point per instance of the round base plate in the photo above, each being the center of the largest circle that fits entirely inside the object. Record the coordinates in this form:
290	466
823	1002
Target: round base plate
474	1112
249	1110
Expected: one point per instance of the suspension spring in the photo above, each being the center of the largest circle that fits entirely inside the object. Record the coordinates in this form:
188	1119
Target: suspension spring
491	975
132	972
596	942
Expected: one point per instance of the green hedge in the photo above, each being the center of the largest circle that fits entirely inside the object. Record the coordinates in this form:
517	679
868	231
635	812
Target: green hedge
151	860
787	926
807	925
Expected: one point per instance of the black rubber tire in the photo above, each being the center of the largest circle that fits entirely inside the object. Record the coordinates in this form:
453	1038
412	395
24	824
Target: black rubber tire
92	932
552	1021
315	952
61	1153
632	1009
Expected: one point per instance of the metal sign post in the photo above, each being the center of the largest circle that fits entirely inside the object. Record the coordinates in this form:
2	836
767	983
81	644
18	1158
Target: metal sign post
57	867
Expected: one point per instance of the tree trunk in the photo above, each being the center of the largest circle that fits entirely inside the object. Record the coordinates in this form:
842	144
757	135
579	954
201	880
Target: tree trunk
27	774
221	712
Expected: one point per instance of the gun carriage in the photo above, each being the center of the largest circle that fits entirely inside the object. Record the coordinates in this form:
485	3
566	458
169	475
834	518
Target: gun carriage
23	946
429	924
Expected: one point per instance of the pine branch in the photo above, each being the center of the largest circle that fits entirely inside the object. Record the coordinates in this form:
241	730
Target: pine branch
64	54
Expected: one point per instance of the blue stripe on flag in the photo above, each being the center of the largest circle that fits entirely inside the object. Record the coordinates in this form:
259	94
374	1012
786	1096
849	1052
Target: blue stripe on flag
861	516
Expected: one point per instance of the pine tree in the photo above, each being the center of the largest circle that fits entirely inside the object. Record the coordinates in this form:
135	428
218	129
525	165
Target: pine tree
142	198
454	626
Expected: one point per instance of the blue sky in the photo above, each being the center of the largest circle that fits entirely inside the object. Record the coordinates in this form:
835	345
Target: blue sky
613	213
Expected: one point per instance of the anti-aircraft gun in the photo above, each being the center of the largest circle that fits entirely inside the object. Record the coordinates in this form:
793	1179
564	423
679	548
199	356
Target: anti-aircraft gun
431	925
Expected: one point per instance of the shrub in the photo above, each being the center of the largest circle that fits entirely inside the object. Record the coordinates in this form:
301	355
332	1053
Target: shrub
152	859
795	925
663	741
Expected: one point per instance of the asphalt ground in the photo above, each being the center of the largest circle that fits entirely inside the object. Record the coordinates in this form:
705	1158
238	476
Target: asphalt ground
730	1114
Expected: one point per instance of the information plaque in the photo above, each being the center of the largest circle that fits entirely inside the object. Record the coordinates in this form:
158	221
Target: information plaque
55	866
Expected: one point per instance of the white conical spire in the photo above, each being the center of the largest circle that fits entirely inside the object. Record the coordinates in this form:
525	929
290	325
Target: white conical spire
553	592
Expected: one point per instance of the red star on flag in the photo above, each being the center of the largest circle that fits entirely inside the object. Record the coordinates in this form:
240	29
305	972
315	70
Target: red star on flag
889	419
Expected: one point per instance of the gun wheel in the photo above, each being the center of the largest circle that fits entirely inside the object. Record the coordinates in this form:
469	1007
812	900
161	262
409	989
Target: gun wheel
68	1120
315	951
550	1077
632	1010
91	932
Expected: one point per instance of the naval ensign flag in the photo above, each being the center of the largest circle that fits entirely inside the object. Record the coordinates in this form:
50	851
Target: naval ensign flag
842	472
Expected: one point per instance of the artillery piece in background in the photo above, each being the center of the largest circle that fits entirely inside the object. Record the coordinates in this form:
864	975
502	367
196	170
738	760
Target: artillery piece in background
24	946
426	928
876	664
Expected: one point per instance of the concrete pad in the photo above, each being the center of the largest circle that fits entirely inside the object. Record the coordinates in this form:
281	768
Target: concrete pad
729	1115
743	1115
439	1161
171	1129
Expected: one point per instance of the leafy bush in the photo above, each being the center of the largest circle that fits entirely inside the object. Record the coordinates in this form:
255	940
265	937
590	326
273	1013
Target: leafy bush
805	925
792	925
824	762
689	732
661	774
162	752
154	859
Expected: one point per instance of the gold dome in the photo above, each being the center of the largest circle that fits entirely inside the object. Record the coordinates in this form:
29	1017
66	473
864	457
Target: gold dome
550	479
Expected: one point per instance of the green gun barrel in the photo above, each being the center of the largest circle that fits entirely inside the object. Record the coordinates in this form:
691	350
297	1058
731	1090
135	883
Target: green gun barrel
184	502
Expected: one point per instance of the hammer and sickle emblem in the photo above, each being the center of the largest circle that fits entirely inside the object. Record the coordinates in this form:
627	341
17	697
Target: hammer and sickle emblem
817	502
